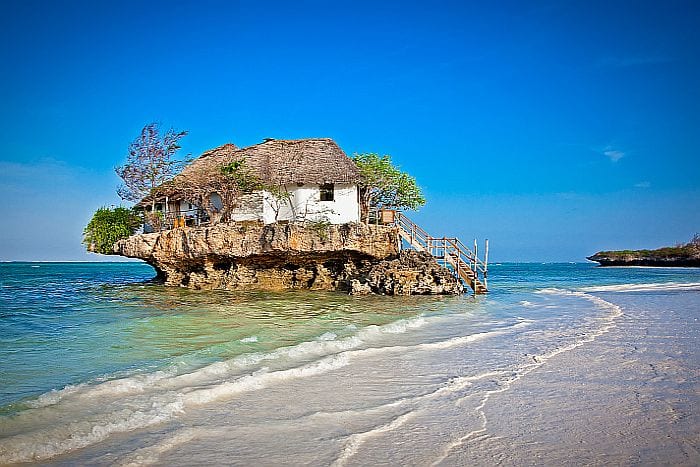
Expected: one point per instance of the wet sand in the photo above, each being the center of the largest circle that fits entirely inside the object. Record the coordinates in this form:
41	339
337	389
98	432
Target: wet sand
629	397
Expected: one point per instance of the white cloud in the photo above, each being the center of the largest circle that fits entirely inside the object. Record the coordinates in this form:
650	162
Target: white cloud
642	185
613	154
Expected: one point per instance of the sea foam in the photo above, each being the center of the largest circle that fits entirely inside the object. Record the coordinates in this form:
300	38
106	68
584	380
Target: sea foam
651	287
98	410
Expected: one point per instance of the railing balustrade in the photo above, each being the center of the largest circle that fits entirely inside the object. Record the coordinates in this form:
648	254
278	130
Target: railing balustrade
450	252
173	219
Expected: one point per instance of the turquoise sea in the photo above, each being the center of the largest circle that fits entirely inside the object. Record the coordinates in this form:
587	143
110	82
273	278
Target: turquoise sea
559	364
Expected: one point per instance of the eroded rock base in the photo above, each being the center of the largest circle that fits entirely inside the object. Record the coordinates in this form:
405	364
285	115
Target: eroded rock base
353	258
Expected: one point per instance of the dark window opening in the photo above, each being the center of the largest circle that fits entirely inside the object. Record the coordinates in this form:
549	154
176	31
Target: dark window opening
327	192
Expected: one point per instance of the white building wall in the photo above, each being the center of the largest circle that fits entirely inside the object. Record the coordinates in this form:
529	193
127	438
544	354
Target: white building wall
250	208
305	204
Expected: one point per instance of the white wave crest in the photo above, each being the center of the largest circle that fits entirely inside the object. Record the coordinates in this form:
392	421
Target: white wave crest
262	379
327	336
651	287
92	428
151	454
168	379
98	410
357	439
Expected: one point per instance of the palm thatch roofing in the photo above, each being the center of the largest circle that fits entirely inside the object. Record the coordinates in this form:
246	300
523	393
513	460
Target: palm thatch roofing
275	162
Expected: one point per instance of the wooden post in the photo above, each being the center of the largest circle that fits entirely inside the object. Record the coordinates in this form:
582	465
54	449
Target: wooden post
165	213
476	258
486	263
457	261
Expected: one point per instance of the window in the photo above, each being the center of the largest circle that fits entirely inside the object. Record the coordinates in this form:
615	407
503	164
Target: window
216	202
326	192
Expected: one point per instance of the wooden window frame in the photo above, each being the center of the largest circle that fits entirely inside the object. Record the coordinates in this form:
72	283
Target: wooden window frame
326	192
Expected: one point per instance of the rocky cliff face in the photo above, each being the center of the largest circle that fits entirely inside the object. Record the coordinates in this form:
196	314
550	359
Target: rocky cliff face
356	258
412	273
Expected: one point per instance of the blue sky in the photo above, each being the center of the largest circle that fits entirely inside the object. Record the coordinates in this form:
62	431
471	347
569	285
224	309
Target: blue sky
555	129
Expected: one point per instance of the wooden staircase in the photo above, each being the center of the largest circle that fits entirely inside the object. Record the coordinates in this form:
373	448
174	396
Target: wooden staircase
449	252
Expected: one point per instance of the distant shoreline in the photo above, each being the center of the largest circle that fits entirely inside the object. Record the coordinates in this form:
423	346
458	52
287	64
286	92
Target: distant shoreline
682	256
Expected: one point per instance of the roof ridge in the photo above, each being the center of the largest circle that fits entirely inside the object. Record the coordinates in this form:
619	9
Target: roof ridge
210	151
298	140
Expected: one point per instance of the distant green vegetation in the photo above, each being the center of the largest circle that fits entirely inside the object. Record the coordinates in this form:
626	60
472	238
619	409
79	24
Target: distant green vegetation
109	225
690	249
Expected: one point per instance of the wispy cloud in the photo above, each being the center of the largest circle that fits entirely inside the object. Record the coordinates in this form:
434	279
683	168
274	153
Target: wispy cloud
613	154
642	185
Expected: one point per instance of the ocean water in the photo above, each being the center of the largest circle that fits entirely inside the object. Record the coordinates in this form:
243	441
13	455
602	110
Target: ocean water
560	364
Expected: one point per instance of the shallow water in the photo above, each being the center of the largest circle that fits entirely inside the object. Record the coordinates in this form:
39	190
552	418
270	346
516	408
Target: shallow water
561	363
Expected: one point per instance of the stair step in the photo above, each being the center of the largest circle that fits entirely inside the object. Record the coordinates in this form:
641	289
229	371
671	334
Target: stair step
421	241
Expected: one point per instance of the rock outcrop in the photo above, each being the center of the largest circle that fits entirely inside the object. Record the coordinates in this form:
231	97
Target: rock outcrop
681	256
413	273
356	258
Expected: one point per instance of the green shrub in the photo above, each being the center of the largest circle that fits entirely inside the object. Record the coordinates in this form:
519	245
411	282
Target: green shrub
321	227
107	226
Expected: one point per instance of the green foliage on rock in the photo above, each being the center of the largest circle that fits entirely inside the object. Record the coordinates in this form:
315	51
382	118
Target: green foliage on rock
109	225
692	248
385	186
687	254
665	252
321	228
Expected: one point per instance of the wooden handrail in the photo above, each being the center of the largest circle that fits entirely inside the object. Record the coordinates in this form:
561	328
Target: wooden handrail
168	218
447	250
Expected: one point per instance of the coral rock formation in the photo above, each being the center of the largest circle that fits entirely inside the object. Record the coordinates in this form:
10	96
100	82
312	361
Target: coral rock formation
356	258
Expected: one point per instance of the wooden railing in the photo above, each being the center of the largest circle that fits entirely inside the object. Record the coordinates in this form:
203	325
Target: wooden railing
449	252
173	219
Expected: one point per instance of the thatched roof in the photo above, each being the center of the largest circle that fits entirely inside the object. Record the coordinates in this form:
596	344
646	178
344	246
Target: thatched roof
285	162
276	162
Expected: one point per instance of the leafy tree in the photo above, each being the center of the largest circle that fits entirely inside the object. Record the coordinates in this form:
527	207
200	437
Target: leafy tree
150	162
385	186
109	225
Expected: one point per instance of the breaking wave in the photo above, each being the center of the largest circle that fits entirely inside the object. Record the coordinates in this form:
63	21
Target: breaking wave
652	287
83	414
